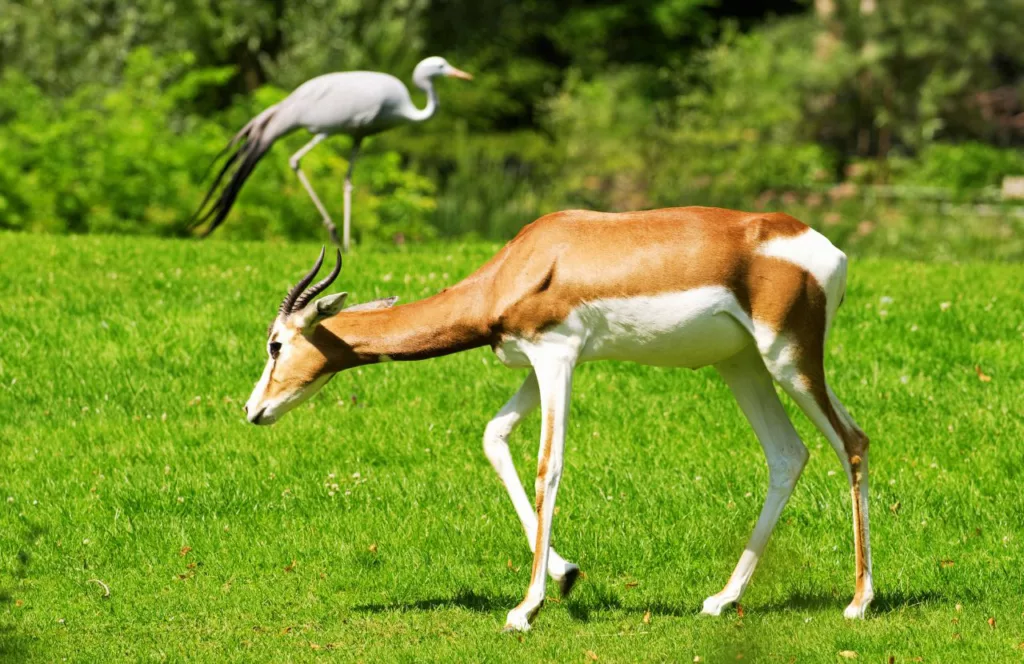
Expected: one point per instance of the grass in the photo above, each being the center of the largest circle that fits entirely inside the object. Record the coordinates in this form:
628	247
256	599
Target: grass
124	363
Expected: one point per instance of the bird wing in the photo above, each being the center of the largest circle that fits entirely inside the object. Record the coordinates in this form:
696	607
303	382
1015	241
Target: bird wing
354	102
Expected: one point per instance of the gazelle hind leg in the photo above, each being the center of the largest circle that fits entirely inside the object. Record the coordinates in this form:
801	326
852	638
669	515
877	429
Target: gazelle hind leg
754	390
804	380
496	448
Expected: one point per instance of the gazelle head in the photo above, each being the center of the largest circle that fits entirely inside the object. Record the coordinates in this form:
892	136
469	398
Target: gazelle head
302	354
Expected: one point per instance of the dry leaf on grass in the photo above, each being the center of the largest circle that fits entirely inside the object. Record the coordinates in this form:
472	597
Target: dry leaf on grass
848	654
647	618
373	548
981	374
290	568
592	655
184	551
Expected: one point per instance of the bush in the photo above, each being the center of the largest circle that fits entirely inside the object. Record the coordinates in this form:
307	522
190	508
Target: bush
963	169
128	160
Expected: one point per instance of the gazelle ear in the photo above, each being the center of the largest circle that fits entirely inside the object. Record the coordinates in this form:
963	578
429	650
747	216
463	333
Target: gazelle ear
384	303
318	310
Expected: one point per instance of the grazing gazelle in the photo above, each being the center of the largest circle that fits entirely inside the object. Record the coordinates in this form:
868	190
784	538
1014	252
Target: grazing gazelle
751	294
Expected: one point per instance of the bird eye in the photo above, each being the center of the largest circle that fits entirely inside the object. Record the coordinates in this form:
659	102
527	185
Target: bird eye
274	347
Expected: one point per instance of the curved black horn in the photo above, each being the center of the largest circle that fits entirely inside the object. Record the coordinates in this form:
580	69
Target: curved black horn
288	304
318	287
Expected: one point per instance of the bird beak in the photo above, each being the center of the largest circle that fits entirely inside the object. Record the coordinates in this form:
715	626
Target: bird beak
458	73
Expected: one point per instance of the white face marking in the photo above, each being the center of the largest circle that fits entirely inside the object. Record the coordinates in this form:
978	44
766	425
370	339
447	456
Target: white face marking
252	406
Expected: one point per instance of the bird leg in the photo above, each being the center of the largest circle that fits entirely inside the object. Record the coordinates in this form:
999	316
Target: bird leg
347	223
294	163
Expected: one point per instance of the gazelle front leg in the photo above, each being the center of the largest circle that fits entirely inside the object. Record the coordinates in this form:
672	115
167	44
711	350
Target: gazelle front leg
554	376
496	448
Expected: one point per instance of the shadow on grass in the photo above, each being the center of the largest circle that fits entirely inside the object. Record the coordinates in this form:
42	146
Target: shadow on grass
464	599
580	608
884	602
13	645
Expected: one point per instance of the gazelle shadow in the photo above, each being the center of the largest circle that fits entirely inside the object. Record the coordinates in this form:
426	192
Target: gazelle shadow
580	607
14	646
464	599
884	602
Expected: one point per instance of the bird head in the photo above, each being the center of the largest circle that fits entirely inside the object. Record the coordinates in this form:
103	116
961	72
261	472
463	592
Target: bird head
438	66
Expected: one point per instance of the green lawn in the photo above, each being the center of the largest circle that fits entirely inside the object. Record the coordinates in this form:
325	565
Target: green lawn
124	364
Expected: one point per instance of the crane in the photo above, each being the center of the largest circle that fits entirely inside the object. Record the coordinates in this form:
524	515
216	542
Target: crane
356	103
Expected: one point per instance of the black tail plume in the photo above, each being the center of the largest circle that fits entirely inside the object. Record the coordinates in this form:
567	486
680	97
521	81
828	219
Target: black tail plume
244	151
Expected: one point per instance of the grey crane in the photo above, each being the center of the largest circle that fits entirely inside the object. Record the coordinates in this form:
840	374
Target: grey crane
357	103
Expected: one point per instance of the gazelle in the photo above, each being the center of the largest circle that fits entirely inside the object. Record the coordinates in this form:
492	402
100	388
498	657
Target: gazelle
751	294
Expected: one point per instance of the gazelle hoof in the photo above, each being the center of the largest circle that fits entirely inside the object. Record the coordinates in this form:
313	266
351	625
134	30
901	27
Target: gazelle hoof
713	605
855	611
567	582
516	622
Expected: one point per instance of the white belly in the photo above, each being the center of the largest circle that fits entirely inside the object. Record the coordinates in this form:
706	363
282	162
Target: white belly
692	329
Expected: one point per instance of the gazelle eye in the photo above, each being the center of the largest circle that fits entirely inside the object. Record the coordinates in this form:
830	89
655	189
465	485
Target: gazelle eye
274	347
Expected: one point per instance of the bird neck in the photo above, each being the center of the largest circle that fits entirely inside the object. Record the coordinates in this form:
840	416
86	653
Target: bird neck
427	85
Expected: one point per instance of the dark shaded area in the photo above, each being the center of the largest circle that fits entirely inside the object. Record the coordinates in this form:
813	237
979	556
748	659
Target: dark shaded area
581	609
884	602
464	599
14	645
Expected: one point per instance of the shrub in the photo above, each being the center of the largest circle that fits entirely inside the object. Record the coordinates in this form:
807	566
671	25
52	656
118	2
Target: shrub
128	159
964	169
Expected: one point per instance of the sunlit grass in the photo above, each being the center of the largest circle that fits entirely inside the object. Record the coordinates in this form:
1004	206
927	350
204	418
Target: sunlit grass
369	526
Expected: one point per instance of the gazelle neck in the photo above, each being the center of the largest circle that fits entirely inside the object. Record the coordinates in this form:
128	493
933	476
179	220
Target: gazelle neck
446	323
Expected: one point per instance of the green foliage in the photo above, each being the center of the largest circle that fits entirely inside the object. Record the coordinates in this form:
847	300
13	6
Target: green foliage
624	105
962	169
126	459
127	160
921	70
746	131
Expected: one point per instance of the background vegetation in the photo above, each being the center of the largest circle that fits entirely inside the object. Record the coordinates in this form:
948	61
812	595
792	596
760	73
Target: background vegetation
888	124
125	463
